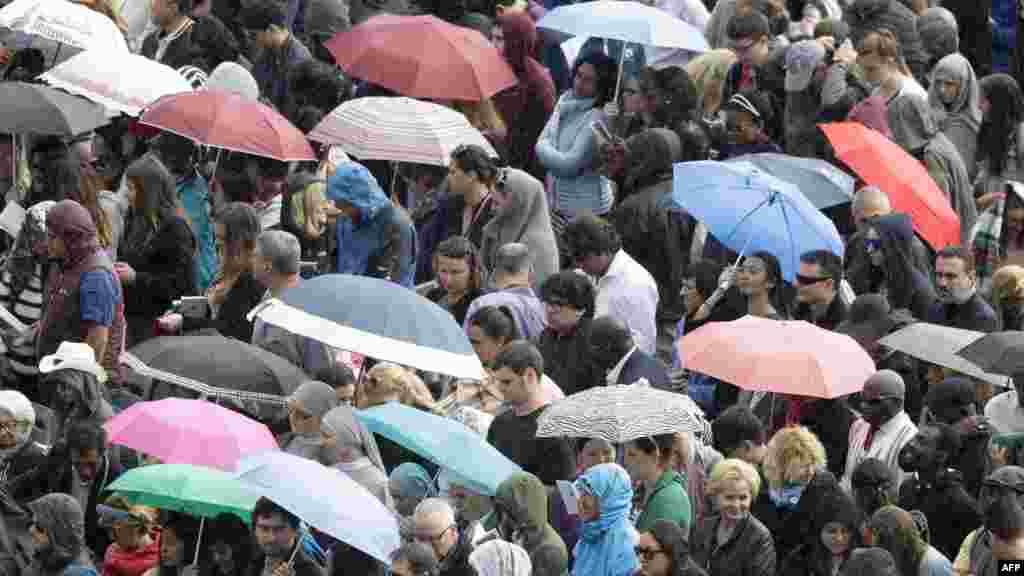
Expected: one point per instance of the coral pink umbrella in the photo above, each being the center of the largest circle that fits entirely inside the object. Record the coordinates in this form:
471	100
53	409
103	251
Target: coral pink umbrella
795	358
231	122
181	431
422	57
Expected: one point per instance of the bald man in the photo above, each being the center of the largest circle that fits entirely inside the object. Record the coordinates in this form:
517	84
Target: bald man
868	203
884	427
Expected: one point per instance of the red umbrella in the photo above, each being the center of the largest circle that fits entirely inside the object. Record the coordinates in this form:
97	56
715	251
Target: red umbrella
422	57
229	121
882	163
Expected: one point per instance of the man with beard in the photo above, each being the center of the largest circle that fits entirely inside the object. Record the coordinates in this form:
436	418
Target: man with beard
58	537
936	488
276	534
82	467
959	304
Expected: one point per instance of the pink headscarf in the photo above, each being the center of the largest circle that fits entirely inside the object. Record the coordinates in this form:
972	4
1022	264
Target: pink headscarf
72	223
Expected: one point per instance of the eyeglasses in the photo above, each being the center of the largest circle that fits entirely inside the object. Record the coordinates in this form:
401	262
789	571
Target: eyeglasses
872	245
431	539
808	280
647	553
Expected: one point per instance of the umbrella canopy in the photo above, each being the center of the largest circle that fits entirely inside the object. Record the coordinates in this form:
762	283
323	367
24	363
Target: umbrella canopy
621	413
224	362
998	352
39	109
69	25
229	121
795	358
180	431
422	57
822	183
325	498
398	129
121	82
193	490
627	21
375	318
937	344
443	441
882	163
762	212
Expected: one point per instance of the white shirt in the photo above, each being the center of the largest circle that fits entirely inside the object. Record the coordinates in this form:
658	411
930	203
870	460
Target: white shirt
628	293
890	438
613	375
1005	413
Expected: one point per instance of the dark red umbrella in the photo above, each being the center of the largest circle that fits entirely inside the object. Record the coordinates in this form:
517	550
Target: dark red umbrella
229	121
422	57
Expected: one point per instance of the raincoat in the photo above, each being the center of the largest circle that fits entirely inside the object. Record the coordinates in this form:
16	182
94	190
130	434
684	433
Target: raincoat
524	499
524	218
62	518
961	120
605	547
382	242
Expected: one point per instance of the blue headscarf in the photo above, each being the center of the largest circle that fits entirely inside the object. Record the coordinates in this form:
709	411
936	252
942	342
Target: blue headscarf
410	480
353	184
605	547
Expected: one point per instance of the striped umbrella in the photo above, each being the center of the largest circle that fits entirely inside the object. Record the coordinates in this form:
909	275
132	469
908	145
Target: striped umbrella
622	413
398	129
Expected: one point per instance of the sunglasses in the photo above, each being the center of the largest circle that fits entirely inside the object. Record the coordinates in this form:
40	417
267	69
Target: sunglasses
647	554
877	401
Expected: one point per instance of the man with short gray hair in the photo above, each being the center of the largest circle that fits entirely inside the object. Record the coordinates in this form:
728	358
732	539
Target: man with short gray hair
434	526
275	265
513	266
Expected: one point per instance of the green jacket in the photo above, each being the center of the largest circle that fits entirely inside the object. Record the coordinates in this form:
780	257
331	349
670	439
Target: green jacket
524	501
668	501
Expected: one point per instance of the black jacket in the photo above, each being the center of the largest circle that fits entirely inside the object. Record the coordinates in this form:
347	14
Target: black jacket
567	358
231	321
790	527
457	561
302	566
205	44
834	316
974	314
60	478
23	475
749	551
953	511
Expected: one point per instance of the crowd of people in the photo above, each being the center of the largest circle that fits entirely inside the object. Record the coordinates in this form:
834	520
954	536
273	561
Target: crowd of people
568	266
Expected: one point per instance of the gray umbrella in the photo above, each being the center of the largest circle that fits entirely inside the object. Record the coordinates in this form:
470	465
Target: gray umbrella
939	345
39	109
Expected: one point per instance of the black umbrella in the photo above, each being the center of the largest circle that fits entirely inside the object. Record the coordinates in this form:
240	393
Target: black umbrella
40	109
216	361
998	353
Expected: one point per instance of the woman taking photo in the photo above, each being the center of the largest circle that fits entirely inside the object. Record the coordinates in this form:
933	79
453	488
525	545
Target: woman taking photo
235	290
157	255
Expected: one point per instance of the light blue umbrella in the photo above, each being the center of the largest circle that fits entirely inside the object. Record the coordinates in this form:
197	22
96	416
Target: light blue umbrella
325	498
627	21
443	441
749	210
822	183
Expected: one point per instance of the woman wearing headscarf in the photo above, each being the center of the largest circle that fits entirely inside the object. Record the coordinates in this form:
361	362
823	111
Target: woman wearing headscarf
157	255
24	271
306	407
409	484
605	547
520	515
500	558
664	550
914	129
22	461
522	217
58	535
83	299
954	96
351	448
527	106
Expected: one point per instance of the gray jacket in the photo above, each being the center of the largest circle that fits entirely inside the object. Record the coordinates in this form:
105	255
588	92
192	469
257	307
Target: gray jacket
750	550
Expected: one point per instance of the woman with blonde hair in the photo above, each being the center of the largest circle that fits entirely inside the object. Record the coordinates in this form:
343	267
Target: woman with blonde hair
795	468
1008	296
708	72
484	116
732	542
387	382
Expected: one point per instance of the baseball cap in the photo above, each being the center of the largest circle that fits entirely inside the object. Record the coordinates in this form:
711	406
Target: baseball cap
802	59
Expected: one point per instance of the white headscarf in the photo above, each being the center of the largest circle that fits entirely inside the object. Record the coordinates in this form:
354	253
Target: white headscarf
500	558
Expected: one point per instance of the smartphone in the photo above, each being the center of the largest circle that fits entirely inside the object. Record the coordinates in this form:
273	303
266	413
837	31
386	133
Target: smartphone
193	306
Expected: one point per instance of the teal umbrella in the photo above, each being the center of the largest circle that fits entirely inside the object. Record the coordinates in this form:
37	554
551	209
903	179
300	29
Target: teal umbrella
193	490
447	443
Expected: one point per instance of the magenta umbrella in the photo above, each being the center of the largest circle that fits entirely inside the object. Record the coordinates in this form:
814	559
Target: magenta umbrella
180	431
231	122
795	358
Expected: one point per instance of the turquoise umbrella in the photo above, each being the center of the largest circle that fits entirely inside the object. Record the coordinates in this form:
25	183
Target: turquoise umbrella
443	441
193	490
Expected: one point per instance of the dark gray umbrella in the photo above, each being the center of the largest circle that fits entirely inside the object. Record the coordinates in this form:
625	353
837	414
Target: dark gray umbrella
40	109
999	353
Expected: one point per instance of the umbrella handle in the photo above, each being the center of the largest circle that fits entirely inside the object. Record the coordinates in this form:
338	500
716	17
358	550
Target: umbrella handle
298	544
199	539
618	81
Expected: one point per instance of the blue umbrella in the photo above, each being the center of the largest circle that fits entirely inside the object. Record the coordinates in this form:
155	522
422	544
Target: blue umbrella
822	183
749	210
325	498
376	318
627	21
443	441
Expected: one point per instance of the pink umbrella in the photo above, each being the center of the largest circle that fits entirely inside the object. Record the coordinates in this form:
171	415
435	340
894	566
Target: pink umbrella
180	431
795	358
229	121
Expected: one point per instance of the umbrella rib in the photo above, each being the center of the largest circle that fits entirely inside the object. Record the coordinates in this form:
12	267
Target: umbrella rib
745	217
